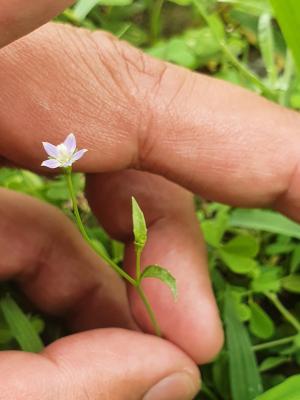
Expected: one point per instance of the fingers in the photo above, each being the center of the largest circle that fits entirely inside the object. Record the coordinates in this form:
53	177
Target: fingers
132	111
43	251
18	19
175	242
112	364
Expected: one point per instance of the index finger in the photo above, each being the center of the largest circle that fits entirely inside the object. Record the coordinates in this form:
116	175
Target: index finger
132	111
19	18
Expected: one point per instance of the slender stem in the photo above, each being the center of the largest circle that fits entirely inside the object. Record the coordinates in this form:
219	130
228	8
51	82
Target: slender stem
138	253
245	71
136	283
81	227
284	311
274	343
149	310
75	205
155	19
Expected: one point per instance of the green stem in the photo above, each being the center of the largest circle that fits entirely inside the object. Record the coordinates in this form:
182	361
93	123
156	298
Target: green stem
81	227
70	16
155	20
284	311
245	71
138	252
75	205
136	283
149	310
274	343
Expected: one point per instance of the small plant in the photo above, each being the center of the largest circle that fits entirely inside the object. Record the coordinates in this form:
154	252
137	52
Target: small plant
63	156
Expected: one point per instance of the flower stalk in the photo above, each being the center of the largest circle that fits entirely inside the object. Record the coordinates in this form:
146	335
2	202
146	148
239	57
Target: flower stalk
63	156
134	282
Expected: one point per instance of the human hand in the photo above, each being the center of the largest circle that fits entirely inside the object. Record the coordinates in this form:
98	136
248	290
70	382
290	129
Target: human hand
59	255
160	126
44	253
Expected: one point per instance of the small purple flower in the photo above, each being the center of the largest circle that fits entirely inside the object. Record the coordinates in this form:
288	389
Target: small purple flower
62	155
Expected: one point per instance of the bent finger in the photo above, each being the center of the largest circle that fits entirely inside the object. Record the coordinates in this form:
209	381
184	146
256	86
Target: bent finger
131	111
175	242
109	363
43	251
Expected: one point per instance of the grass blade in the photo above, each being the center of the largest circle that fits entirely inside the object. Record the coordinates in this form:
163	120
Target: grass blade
264	220
288	15
20	326
245	378
266	43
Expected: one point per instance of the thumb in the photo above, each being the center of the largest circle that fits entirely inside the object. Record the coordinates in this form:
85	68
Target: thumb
110	364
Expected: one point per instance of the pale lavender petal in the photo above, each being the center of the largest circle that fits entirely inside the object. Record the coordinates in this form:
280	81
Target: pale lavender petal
50	149
70	143
51	164
78	155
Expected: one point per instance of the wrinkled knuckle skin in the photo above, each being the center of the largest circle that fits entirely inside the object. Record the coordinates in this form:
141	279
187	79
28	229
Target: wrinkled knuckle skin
137	77
131	69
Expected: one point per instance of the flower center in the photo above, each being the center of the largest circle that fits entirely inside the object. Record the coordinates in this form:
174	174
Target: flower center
63	154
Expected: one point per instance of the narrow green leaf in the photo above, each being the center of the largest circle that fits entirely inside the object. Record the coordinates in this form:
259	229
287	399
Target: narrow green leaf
291	283
254	7
155	271
245	379
266	43
285	82
84	7
220	379
20	326
139	225
288	15
288	390
264	220
273	362
279	248
261	324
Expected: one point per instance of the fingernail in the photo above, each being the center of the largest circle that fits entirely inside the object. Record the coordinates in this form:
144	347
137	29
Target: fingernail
178	386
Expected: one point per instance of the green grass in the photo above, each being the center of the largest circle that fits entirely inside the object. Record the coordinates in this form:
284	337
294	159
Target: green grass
254	255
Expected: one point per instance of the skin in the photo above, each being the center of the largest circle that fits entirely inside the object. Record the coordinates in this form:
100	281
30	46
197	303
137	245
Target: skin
155	131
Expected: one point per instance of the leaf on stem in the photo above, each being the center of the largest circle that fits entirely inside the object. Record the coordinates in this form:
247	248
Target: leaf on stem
155	271
139	225
261	325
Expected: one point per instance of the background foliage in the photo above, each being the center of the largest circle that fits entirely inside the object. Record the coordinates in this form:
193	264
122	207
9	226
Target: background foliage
254	255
